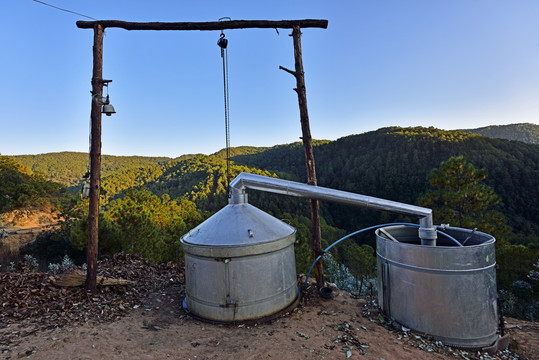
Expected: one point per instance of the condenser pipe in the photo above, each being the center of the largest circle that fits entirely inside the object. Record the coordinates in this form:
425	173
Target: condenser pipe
427	231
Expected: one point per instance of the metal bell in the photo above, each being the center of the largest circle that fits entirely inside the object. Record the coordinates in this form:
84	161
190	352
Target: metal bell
108	110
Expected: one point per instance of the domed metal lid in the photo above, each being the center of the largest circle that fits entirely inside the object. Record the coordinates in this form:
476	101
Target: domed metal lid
238	225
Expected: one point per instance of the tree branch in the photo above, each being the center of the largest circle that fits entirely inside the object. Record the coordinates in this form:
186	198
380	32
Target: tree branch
288	71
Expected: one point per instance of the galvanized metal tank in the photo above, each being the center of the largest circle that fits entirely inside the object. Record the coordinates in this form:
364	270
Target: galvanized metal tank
446	291
239	265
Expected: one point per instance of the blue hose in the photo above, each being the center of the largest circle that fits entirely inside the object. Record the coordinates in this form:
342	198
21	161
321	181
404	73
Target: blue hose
367	229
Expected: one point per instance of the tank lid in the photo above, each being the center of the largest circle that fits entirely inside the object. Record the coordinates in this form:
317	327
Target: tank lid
238	225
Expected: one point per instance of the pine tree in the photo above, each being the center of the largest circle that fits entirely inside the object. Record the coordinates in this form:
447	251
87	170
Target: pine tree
460	199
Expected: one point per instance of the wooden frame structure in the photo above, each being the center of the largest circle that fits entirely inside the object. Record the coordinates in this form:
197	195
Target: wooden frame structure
97	89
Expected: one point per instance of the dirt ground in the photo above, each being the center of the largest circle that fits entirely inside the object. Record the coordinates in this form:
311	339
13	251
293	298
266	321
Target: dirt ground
339	328
39	320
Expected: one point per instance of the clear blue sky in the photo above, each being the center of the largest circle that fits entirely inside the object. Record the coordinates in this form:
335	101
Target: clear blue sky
446	63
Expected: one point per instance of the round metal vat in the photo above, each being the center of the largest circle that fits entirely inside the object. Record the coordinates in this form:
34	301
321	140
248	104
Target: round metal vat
445	291
239	265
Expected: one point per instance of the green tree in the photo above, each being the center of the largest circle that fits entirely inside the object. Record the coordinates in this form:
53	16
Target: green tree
140	222
460	199
72	216
518	281
361	262
517	261
21	189
152	226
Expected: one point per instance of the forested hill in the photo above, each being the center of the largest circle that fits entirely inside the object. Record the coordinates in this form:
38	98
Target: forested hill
21	189
393	163
240	150
69	167
525	132
390	163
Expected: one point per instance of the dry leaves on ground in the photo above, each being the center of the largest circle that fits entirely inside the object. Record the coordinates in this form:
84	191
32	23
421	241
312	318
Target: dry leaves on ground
33	302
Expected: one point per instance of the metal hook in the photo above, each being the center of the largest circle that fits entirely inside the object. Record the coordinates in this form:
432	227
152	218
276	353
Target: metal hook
221	19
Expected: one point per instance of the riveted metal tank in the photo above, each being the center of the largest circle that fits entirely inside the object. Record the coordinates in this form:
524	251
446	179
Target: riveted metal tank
239	265
446	291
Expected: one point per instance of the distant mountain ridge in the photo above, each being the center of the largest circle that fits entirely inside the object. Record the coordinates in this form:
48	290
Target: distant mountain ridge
525	132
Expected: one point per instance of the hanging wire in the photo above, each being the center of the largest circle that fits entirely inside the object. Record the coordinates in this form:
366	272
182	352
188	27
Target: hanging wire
87	175
223	42
227	114
85	181
69	11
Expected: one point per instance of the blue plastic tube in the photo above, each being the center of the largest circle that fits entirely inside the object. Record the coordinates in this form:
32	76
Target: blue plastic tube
367	229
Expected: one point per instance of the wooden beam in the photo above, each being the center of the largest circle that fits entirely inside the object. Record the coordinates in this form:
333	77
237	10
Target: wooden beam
95	161
212	25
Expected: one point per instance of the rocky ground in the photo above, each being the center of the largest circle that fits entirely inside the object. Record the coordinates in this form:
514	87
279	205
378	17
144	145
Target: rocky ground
145	320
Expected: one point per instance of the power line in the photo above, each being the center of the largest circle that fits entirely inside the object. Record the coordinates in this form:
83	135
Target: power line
69	11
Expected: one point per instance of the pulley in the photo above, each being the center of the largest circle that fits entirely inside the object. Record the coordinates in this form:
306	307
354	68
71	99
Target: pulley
222	42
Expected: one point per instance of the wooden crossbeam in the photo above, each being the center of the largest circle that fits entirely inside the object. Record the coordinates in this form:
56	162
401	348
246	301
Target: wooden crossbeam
211	25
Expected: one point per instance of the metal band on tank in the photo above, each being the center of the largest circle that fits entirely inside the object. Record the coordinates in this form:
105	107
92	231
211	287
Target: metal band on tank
243	304
431	270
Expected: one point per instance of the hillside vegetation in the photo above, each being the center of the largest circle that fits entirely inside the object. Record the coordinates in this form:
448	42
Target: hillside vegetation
149	203
21	189
393	163
525	132
69	167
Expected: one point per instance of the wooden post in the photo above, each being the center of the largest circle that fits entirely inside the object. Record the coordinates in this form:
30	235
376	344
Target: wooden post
308	147
95	161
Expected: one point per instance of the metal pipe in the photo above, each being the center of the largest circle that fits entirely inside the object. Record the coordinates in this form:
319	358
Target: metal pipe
427	231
